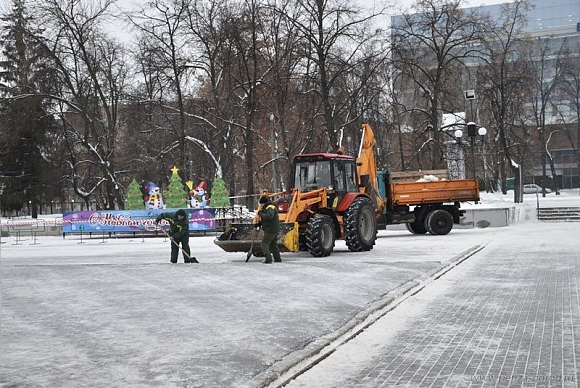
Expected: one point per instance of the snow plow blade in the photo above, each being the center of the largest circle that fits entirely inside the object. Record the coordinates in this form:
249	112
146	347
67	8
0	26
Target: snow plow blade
239	238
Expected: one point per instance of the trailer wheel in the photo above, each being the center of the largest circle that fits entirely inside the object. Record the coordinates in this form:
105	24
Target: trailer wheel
360	225
320	235
416	227
439	222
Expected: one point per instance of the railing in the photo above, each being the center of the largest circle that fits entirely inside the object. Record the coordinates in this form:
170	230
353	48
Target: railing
46	208
559	214
34	227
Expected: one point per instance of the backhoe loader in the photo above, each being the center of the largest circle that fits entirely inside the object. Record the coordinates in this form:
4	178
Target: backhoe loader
329	201
336	196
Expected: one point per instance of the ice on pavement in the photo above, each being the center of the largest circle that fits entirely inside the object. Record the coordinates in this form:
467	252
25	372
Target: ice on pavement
77	315
117	313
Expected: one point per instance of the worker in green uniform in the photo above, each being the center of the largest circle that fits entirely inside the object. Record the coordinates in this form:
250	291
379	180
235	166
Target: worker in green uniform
179	234
268	219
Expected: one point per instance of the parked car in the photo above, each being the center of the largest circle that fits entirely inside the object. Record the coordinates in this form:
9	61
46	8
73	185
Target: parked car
533	189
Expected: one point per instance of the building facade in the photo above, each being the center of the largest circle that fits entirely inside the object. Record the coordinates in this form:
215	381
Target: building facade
554	28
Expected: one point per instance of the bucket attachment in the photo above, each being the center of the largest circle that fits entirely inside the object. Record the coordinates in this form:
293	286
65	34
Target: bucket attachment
239	237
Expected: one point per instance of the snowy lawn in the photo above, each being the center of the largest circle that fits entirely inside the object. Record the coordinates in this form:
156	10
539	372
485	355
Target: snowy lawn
567	198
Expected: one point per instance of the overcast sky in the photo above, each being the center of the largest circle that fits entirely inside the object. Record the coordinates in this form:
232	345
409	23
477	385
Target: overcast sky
396	9
128	4
399	5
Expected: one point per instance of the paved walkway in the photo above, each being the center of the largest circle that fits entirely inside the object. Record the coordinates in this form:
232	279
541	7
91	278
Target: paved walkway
508	316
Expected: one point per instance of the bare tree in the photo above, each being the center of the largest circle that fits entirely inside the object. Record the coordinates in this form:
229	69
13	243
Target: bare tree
145	137
286	105
547	68
337	38
248	72
502	83
162	25
571	87
431	47
92	73
208	35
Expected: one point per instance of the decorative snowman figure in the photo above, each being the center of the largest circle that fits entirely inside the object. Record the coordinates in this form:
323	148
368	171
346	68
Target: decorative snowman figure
199	199
154	200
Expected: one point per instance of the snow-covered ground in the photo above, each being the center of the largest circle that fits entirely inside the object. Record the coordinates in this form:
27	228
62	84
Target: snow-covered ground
508	316
118	314
565	199
115	312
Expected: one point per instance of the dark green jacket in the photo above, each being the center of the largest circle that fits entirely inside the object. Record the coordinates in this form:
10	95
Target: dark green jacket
269	218
177	228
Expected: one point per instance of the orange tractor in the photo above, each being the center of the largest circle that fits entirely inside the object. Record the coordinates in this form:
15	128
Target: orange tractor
336	196
328	202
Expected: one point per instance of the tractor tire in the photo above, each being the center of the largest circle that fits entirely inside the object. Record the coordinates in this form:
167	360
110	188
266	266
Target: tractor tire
439	222
320	235
416	227
303	246
360	224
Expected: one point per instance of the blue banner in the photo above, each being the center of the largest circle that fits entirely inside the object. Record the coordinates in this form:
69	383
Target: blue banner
131	220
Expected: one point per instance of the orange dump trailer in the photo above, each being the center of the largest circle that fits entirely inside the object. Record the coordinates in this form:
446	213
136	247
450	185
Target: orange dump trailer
418	193
425	205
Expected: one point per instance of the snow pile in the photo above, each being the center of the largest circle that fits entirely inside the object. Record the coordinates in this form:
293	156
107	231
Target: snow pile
429	178
525	211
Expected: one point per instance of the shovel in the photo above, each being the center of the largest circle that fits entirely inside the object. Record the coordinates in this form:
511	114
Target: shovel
256	223
191	258
252	246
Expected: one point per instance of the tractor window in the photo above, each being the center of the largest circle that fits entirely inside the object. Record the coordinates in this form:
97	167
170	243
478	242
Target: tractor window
304	175
323	174
339	177
351	183
312	175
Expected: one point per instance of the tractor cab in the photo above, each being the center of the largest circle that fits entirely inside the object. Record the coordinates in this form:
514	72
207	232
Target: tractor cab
335	172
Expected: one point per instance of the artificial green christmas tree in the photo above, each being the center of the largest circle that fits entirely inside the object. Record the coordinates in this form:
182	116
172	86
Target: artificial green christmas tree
219	194
134	197
176	193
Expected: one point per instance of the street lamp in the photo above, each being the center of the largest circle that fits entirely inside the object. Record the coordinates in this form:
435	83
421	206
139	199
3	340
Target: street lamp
482	132
472	132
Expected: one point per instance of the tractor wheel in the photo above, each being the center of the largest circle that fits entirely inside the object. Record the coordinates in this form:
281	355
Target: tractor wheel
416	227
320	235
439	222
360	225
303	246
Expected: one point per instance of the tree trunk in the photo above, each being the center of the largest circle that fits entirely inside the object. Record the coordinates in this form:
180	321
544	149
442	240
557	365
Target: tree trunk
401	151
502	177
543	161
554	178
34	207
